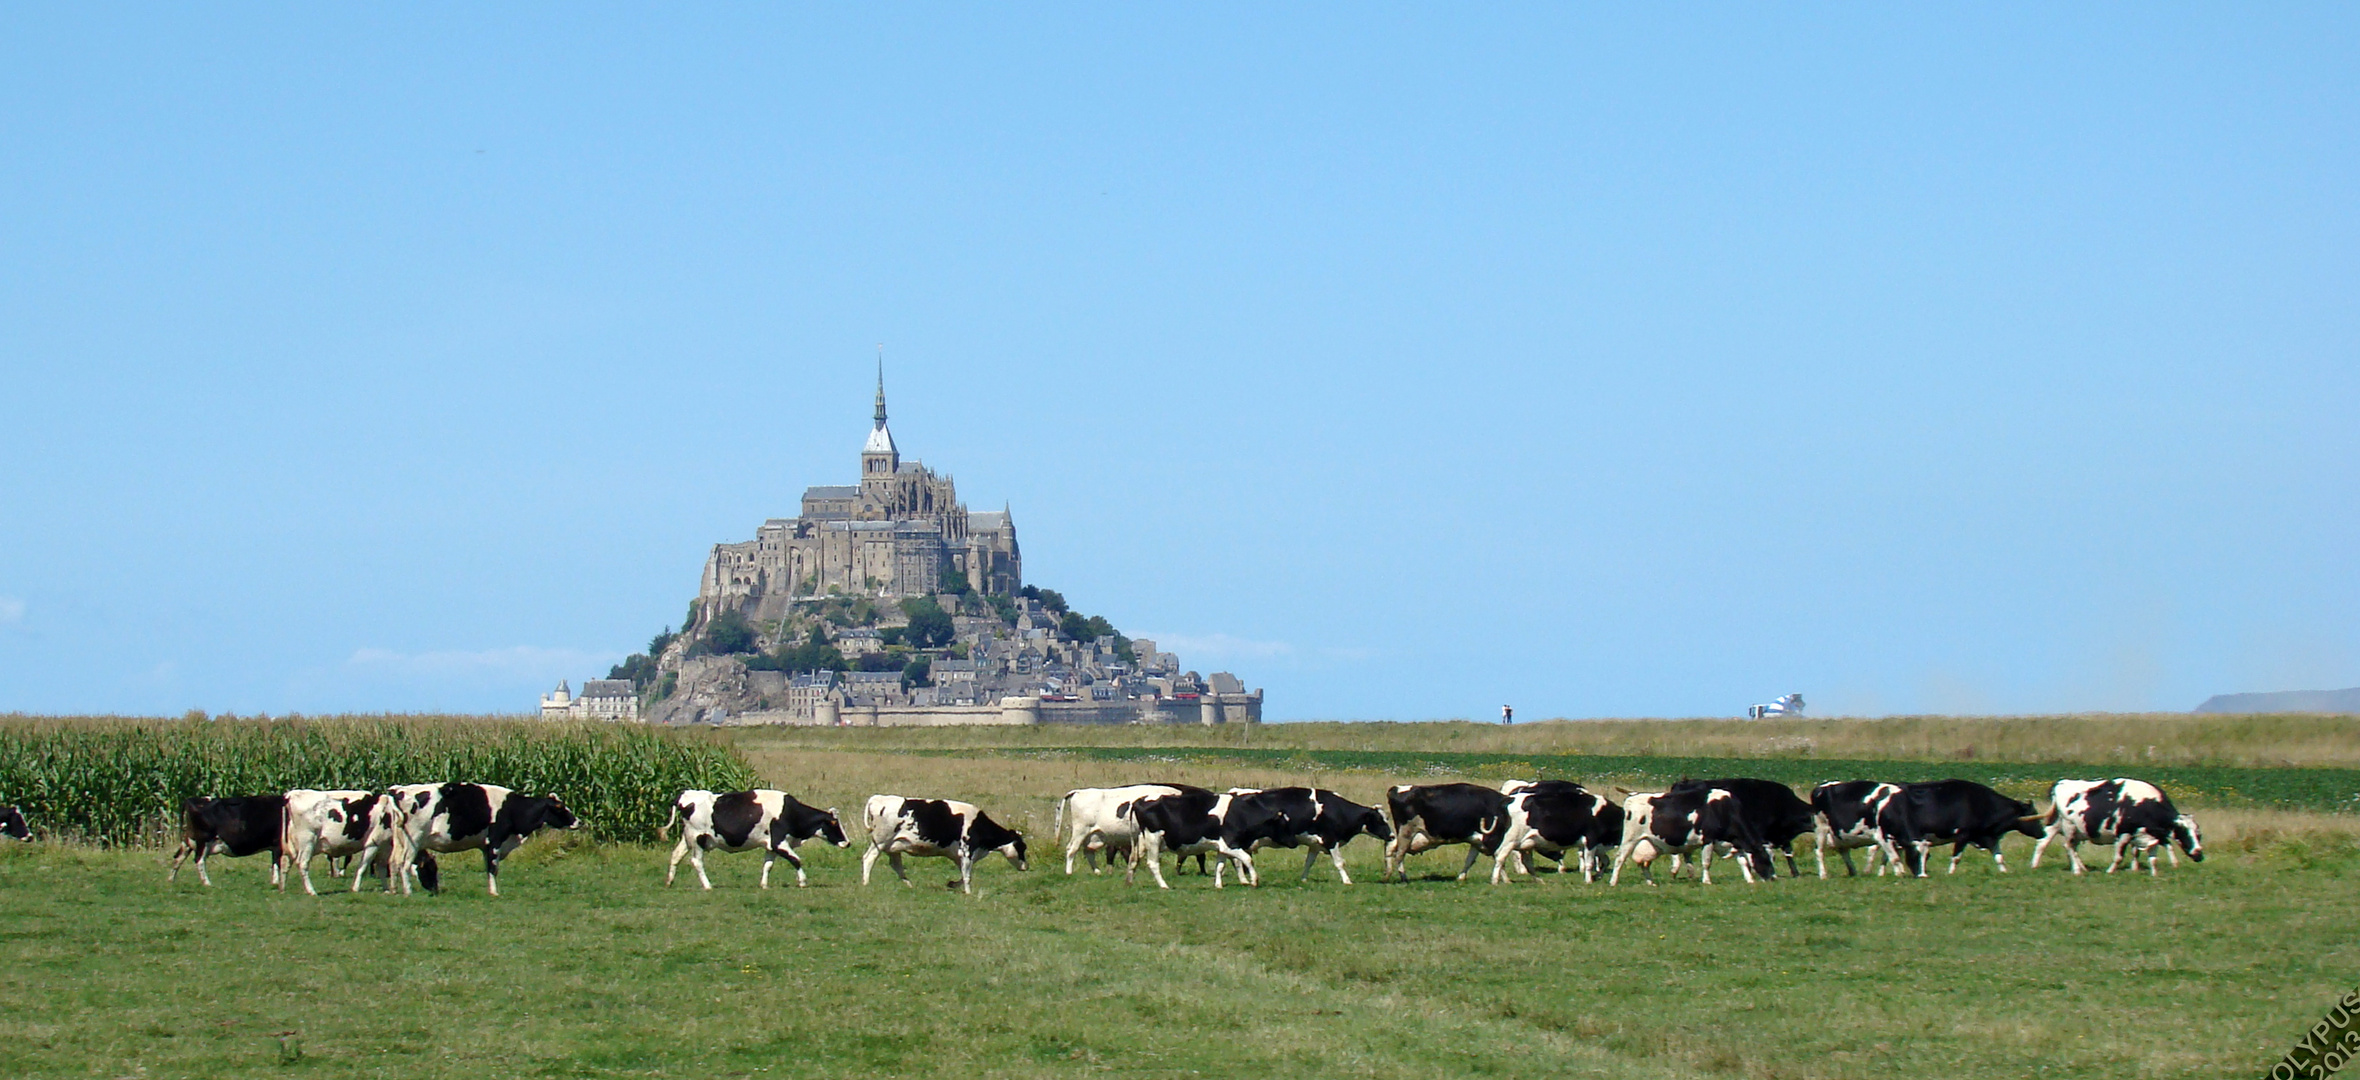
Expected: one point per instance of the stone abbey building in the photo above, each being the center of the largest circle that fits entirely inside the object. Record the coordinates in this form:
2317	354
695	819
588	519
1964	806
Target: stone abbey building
900	533
894	534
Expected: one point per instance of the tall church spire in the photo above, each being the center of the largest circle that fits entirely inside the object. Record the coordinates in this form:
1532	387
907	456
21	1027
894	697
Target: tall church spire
879	457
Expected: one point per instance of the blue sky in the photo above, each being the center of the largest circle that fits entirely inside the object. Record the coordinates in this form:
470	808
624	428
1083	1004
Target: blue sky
1405	362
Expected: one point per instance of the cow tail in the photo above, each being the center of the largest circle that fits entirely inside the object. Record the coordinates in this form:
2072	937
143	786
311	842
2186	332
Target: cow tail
1057	829
281	852
665	833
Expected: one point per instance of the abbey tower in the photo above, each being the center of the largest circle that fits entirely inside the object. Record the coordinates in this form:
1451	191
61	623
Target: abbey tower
897	533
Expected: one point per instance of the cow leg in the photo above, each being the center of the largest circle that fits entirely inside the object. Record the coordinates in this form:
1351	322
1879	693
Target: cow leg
787	852
491	871
1996	860
1621	854
2120	846
966	857
202	852
302	870
1474	852
679	852
895	859
1336	855
2073	855
868	860
1079	845
1310	855
1704	864
2041	846
1152	850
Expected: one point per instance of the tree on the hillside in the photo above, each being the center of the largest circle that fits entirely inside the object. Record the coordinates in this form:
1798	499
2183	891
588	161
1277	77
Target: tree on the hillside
930	627
638	667
729	633
952	582
920	672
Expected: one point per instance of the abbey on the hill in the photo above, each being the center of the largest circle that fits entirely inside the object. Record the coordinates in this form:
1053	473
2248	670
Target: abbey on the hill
899	532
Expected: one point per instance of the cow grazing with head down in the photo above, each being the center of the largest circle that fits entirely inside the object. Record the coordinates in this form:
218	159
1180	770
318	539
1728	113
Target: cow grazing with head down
945	828
237	826
743	821
1689	821
470	817
1315	819
1961	813
1429	816
2133	815
1776	813
1860	814
1552	817
12	824
330	824
1100	819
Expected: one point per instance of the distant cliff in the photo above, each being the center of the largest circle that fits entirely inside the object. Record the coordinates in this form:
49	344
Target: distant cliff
2286	701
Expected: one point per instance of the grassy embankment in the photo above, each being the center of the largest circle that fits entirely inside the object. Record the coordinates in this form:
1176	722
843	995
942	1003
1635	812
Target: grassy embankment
589	968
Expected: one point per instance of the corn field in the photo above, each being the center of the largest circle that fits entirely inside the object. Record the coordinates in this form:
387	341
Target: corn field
122	782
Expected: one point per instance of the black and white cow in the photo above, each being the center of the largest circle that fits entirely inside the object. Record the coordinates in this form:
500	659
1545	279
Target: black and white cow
743	821
329	824
1316	820
1550	818
387	840
1429	816
1227	825
1860	814
1100	820
1689	821
945	828
471	817
2133	815
12	824
1777	814
1961	813
237	826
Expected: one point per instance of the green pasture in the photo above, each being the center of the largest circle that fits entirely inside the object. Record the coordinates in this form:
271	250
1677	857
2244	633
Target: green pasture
588	967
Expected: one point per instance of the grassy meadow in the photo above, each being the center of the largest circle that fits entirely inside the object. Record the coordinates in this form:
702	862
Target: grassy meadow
590	967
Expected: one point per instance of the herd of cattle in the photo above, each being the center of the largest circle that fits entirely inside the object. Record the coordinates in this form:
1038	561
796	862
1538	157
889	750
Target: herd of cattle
398	832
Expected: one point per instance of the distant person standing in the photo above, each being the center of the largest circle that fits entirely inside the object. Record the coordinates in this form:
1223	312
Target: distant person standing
1507	714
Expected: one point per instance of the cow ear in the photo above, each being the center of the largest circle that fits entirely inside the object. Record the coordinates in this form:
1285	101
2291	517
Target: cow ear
831	811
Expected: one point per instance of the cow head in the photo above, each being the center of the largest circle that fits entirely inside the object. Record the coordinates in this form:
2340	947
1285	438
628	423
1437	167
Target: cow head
1374	824
12	824
2184	831
554	815
2028	820
832	830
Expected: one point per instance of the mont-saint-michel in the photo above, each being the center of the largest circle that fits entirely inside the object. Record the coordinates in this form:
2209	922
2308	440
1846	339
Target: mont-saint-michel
888	602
